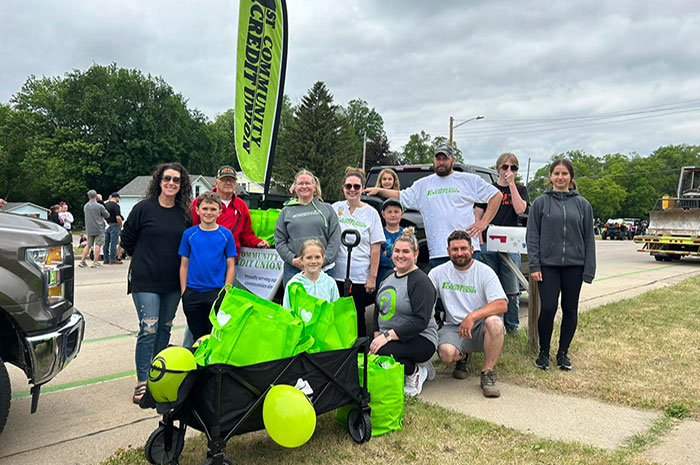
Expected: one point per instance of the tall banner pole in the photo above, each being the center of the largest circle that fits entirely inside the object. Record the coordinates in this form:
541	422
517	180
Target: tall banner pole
260	72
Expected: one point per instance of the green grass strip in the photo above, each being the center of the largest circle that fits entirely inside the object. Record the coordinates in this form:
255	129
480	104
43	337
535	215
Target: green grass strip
74	384
120	336
635	272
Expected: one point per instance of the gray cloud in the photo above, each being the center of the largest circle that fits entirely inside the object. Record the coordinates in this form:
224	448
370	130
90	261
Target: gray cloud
417	62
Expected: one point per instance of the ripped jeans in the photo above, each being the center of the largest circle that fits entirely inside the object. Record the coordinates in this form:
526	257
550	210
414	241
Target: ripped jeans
156	314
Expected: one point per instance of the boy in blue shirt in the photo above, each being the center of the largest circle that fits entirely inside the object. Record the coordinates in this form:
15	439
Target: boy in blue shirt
208	253
392	211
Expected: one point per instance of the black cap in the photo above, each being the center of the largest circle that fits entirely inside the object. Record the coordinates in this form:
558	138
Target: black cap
391	202
225	171
116	195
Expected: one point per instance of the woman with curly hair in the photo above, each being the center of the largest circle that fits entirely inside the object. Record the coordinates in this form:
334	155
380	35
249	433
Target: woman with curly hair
151	235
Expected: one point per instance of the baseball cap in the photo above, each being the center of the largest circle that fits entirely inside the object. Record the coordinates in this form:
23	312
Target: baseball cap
445	149
224	171
115	194
391	202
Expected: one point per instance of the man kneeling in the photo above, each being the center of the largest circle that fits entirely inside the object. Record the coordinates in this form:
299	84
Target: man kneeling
474	304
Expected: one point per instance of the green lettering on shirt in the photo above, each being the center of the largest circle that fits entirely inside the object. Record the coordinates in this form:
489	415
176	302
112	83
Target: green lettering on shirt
352	222
443	190
302	215
458	287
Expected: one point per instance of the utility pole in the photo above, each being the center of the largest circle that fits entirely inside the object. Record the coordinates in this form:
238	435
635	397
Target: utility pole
527	176
364	149
454	126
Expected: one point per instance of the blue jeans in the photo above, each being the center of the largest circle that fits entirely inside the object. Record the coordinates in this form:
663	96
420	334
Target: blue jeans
509	281
111	242
156	314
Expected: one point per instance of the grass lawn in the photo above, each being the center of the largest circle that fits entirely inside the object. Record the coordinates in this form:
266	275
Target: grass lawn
643	352
431	435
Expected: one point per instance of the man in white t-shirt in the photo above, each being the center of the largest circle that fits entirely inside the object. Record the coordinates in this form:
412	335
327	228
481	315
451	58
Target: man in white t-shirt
474	306
446	201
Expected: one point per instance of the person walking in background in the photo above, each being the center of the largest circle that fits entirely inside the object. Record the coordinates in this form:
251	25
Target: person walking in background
315	281
561	253
403	316
388	179
354	214
65	216
151	236
208	253
95	214
53	214
305	216
392	211
514	204
114	225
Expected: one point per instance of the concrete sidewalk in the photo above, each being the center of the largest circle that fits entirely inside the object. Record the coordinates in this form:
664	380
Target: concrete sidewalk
565	418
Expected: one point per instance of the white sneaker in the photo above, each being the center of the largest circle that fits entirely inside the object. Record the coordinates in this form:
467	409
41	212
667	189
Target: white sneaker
422	376
431	369
410	385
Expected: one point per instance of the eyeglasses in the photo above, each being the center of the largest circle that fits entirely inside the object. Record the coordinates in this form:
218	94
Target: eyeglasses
305	184
227	181
513	168
168	178
350	187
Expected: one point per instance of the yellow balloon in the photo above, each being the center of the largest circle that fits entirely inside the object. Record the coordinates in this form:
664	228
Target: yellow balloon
289	417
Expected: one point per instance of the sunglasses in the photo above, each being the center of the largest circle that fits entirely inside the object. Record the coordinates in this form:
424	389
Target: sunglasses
513	168
168	178
350	187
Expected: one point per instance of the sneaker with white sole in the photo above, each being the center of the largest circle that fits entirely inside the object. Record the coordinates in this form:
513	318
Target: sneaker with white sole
413	384
430	369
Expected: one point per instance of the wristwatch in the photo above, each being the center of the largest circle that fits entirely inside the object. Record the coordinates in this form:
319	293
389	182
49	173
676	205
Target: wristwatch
387	335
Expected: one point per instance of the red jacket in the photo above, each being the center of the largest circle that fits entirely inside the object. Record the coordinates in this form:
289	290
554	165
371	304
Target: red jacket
236	218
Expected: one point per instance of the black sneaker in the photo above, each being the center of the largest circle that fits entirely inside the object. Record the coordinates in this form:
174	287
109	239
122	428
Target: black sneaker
461	370
563	361
542	361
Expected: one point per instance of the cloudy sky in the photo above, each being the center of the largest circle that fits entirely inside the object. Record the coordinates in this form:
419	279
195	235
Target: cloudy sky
548	76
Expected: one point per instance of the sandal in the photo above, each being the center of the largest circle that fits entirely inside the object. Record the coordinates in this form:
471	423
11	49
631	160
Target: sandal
139	392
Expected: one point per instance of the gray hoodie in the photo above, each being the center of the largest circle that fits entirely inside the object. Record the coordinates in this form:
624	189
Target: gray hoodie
560	232
299	222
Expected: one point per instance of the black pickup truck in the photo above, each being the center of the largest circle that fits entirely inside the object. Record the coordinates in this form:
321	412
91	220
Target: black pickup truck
408	174
40	329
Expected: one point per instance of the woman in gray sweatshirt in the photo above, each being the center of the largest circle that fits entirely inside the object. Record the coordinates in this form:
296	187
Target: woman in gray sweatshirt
306	216
561	253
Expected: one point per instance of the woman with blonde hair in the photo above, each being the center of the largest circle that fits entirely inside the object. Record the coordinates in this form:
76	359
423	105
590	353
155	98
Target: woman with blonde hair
305	216
403	315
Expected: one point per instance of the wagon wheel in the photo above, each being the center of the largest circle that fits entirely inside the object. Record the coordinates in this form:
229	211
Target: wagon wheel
359	425
156	452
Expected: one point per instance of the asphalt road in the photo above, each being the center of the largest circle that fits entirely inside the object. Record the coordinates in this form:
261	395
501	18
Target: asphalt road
86	414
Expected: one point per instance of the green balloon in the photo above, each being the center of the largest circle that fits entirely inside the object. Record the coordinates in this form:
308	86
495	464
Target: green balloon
289	417
168	370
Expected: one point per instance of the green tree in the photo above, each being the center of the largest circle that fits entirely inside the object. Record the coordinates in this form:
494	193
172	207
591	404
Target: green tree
318	138
418	149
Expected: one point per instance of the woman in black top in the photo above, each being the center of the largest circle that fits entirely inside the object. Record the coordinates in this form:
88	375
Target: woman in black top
152	236
403	315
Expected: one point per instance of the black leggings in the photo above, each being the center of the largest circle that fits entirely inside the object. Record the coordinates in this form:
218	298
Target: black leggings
362	299
556	279
417	350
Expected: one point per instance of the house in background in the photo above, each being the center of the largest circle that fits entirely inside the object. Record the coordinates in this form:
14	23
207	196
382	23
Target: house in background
136	189
26	209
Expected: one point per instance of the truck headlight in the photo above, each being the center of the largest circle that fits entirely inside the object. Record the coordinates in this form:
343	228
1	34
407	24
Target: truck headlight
49	260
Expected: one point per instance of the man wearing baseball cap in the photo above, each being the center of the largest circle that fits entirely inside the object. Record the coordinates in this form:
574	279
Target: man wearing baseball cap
235	215
446	200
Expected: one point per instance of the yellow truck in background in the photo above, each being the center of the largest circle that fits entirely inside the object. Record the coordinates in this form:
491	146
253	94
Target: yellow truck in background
674	223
